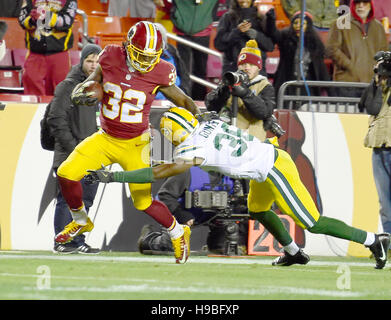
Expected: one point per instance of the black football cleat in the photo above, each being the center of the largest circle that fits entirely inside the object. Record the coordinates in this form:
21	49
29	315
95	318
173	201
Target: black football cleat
287	260
379	249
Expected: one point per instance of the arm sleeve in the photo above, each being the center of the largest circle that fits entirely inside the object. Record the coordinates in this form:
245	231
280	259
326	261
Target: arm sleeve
58	117
217	98
333	48
24	17
226	35
63	19
371	99
261	105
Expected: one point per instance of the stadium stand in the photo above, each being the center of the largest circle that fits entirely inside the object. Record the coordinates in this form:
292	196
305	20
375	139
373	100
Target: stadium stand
7	59
93	6
19	56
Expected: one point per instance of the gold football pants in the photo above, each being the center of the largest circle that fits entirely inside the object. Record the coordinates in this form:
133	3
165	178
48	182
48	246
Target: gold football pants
102	149
284	187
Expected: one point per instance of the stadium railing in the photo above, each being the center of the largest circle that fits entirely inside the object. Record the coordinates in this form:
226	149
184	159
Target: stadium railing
318	103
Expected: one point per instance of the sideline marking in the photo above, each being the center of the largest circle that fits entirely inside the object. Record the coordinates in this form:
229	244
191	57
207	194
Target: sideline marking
171	260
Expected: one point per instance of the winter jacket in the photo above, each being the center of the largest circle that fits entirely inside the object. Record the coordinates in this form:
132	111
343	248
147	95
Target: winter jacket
69	124
229	40
252	109
191	17
53	34
377	102
288	43
352	49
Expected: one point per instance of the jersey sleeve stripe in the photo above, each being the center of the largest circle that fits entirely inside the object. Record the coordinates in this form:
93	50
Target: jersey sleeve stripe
180	121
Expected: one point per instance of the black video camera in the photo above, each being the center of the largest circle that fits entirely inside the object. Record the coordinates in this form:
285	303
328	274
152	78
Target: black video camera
383	67
231	78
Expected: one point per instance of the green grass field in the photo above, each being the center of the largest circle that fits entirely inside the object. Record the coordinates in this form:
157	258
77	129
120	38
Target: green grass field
38	275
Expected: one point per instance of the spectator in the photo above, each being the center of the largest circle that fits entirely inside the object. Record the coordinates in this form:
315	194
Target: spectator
173	194
288	41
256	105
352	48
192	20
323	12
49	36
70	124
376	101
171	54
240	24
137	8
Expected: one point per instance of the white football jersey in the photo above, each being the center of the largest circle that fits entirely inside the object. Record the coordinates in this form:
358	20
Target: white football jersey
228	150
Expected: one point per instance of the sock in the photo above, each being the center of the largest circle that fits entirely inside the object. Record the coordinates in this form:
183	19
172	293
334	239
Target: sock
72	191
175	230
80	216
338	229
274	225
370	239
292	248
160	213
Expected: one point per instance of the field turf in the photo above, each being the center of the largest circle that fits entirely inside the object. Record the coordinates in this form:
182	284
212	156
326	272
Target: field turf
41	275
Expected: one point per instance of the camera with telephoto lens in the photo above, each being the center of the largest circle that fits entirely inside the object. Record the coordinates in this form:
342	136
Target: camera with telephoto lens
383	67
231	78
273	126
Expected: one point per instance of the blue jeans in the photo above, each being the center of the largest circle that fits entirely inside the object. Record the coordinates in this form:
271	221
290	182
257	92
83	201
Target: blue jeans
381	163
62	215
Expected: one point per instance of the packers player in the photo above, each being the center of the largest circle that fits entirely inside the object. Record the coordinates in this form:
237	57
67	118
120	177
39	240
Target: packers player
131	75
216	146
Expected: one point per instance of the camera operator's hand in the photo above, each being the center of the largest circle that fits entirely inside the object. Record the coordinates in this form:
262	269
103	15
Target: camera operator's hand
238	90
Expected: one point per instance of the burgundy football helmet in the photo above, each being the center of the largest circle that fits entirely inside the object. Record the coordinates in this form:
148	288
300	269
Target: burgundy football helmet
145	45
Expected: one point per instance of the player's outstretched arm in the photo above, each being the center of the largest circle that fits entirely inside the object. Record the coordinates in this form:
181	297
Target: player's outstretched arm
145	175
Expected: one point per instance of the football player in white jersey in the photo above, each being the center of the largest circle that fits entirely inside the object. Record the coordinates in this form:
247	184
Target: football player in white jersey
216	146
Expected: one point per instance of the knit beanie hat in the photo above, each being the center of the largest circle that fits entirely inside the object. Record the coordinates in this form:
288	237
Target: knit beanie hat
250	54
90	48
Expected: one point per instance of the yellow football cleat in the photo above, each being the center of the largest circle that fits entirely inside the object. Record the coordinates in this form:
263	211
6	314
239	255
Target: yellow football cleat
181	245
72	230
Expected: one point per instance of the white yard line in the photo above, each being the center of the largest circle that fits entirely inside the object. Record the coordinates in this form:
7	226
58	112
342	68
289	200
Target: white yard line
262	291
170	260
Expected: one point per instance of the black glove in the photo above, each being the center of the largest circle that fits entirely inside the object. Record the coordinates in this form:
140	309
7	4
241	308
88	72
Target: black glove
79	97
271	14
101	175
207	116
240	91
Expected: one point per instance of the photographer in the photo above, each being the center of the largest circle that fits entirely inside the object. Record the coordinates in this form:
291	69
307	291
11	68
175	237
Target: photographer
255	94
376	100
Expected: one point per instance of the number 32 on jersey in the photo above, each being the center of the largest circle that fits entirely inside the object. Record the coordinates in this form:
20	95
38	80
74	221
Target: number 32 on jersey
120	104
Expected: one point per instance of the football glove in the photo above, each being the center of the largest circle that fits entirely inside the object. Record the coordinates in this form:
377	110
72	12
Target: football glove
101	175
79	97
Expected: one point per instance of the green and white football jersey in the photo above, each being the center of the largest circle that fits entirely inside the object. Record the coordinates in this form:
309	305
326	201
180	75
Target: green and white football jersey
228	150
